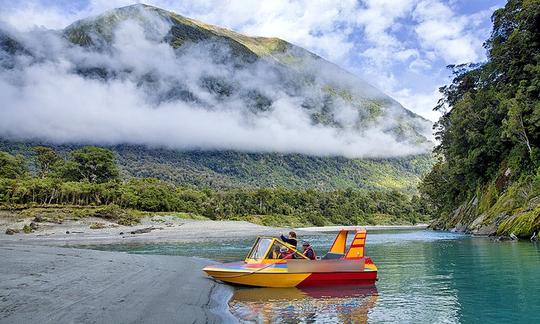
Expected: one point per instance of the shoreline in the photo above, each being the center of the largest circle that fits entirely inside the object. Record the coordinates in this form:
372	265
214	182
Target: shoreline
44	278
162	229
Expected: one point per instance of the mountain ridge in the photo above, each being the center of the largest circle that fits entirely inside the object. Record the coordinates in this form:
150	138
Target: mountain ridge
261	81
276	49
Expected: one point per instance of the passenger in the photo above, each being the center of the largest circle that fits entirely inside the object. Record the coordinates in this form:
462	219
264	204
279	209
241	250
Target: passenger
308	251
285	253
291	239
276	254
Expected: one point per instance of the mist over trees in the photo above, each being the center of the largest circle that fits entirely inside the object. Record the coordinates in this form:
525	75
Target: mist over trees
192	86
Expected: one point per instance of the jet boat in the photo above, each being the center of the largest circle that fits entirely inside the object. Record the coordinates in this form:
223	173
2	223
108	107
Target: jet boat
265	266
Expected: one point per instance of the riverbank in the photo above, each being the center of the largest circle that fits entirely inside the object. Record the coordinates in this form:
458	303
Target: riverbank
154	229
42	284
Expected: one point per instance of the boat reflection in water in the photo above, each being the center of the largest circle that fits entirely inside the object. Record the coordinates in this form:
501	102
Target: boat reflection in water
343	304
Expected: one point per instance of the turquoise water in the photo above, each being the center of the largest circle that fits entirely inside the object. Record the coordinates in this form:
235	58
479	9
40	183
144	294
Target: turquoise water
424	277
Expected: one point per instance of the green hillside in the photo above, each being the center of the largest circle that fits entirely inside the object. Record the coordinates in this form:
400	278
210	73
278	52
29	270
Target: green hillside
228	169
86	182
488	178
241	75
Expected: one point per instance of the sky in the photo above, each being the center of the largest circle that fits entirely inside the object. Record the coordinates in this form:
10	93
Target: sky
400	46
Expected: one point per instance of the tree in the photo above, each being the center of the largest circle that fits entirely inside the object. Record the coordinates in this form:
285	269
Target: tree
92	164
46	159
12	167
491	111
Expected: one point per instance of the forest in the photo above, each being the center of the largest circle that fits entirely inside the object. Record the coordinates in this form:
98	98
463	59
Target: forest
249	170
489	134
90	177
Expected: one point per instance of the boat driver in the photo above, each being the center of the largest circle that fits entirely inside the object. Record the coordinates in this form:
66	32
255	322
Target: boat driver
291	239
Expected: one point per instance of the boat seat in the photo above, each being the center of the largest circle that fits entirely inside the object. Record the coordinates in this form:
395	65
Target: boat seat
333	256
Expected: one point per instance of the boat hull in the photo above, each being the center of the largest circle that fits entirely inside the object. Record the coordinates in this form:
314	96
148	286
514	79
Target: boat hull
275	280
285	279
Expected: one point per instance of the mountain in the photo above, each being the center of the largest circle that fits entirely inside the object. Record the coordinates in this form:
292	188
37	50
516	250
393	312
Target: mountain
267	112
321	85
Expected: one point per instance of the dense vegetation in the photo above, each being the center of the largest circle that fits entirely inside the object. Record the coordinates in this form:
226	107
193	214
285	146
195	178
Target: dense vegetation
228	169
89	176
490	131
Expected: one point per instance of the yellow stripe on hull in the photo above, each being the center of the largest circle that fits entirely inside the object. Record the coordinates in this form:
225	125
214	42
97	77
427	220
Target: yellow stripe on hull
277	280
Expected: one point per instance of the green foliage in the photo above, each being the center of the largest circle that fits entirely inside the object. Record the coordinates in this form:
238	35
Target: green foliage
316	220
488	196
226	169
47	160
117	214
12	167
27	229
92	164
149	195
490	129
522	224
119	201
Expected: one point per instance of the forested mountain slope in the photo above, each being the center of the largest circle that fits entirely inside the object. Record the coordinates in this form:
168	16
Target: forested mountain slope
198	105
488	177
229	169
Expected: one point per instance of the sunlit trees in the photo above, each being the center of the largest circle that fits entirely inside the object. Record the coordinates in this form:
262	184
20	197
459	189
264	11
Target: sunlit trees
47	160
491	120
12	167
92	164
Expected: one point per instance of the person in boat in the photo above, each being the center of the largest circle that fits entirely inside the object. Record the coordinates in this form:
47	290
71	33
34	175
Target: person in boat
285	253
276	253
308	251
291	239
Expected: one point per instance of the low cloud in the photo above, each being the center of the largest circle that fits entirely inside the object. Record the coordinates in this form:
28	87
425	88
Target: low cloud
378	39
52	96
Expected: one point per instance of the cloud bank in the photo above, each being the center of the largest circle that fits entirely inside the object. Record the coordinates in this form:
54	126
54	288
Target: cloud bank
401	46
52	96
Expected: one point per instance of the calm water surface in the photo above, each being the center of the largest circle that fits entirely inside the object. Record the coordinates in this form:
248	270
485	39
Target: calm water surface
424	277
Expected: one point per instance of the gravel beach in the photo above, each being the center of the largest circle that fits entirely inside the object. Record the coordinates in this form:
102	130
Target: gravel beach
162	229
42	284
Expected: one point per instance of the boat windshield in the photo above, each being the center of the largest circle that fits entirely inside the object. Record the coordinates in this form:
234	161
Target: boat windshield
260	249
281	251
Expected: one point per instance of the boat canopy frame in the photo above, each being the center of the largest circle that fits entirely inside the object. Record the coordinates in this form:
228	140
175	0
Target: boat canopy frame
265	256
338	250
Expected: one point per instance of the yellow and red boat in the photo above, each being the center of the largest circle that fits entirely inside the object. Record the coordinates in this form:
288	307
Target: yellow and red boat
264	267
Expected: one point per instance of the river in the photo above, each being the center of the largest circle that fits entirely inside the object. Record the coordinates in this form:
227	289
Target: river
424	277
